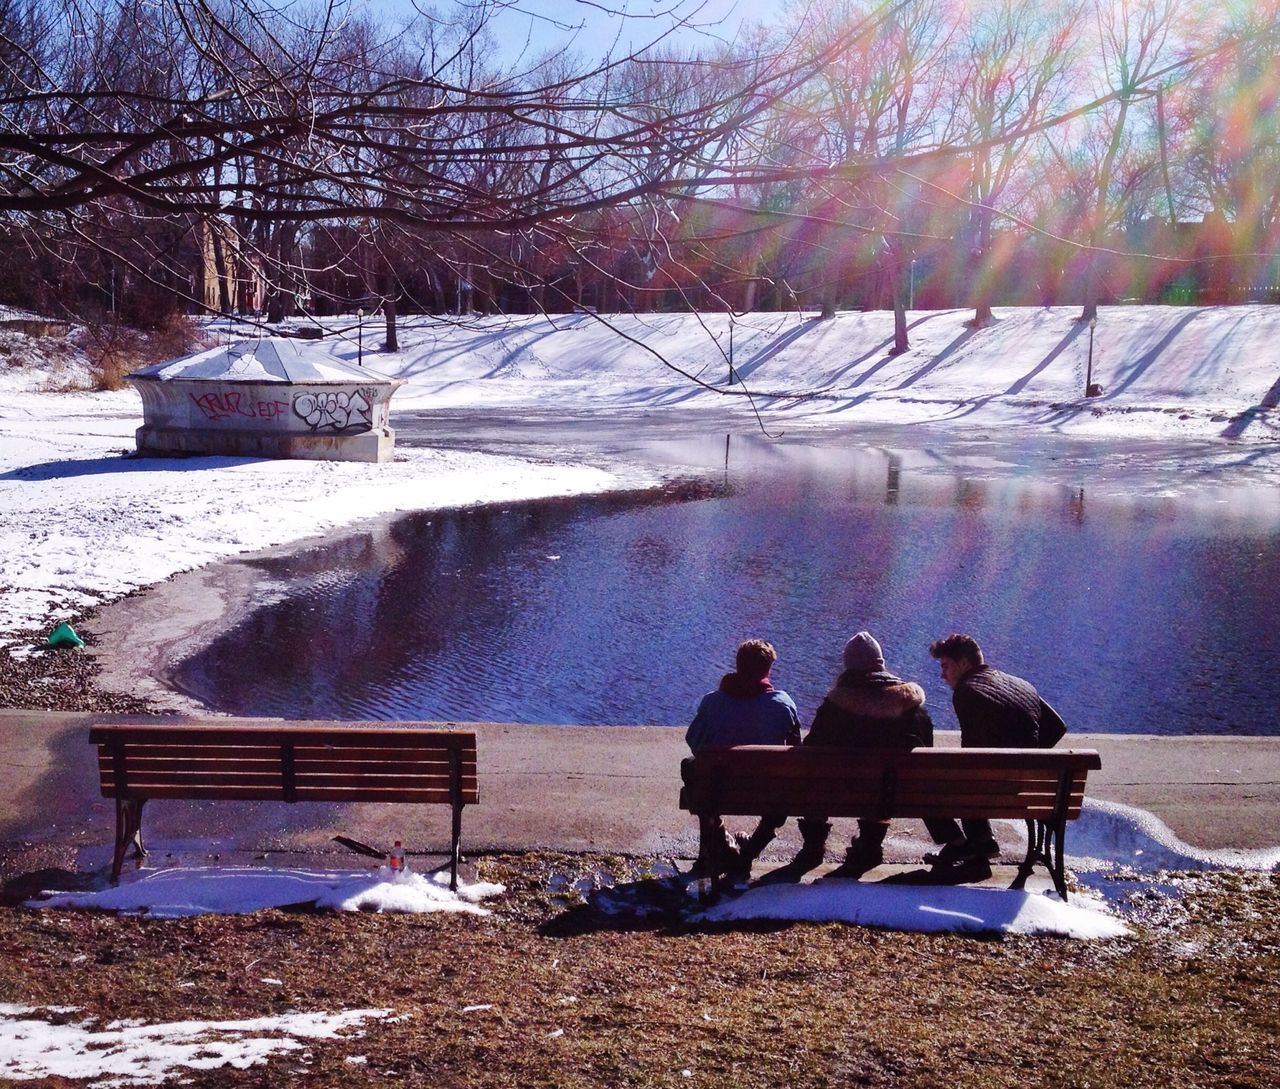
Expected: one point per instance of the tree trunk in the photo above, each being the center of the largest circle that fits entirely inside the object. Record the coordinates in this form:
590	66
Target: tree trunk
389	313
898	293
982	314
900	341
220	271
828	300
1090	309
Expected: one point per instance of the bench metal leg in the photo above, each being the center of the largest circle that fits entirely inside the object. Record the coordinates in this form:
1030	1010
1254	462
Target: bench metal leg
455	847
1045	845
1057	867
128	831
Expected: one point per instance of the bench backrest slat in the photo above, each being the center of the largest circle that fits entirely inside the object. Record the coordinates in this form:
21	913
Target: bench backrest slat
1014	783
285	763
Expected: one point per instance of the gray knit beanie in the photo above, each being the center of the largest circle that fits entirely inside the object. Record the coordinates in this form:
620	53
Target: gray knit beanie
862	654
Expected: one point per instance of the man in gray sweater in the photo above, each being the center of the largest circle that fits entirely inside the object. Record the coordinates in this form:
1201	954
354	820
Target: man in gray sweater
996	710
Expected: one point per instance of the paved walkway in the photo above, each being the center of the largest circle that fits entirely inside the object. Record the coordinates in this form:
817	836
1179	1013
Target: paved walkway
573	788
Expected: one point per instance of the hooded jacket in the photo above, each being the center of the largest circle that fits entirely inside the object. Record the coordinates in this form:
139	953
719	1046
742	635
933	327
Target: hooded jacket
744	712
872	711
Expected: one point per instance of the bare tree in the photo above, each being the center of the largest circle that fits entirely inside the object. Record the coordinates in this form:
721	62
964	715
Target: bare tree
1135	39
1017	59
1226	121
249	114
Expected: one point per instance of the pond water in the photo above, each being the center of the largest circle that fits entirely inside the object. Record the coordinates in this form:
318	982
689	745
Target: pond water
1143	615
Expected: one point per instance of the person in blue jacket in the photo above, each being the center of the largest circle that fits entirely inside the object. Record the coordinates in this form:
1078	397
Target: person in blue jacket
744	710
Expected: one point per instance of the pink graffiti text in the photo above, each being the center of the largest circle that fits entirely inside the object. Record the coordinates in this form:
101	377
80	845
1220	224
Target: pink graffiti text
230	404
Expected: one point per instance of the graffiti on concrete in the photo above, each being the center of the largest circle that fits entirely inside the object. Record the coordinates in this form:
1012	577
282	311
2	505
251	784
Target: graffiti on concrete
337	411
230	404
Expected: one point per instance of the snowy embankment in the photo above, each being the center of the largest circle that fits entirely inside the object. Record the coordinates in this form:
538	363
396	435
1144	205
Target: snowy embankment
83	524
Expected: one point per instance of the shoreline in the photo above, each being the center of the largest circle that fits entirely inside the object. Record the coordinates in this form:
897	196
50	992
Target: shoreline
1158	803
134	640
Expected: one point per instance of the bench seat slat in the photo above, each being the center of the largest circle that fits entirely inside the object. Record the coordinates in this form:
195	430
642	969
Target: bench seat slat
732	803
379	767
872	772
1013	813
939	761
303	794
708	790
195	751
135	765
731	794
904	782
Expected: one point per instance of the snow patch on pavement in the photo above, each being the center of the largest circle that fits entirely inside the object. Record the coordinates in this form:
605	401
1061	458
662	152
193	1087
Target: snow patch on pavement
234	890
930	909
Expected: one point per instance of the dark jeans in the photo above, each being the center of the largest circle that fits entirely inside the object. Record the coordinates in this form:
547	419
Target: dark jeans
977	831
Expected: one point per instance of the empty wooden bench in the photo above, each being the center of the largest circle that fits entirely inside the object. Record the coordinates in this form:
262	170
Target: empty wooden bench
280	762
1044	787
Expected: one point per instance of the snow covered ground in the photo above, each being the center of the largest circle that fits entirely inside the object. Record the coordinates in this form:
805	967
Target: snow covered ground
198	890
44	1042
83	524
80	524
235	890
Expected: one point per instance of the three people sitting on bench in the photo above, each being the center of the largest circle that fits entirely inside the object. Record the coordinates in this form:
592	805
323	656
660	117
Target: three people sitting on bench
868	708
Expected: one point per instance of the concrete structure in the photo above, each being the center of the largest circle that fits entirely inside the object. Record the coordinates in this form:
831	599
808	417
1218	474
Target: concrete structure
271	397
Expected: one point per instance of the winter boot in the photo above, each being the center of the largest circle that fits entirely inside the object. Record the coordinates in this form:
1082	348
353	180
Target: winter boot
812	851
749	848
864	853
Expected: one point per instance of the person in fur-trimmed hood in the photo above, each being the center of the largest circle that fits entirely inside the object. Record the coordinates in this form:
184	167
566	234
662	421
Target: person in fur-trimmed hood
868	708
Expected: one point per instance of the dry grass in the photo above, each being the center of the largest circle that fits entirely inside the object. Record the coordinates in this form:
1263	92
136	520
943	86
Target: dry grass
114	349
583	998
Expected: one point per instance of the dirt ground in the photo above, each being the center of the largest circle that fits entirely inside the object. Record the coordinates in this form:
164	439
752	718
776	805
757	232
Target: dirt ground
591	972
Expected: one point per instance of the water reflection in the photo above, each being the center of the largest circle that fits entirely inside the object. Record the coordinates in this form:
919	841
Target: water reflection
1135	616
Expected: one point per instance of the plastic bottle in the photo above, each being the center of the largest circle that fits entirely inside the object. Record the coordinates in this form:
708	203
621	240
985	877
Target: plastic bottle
396	858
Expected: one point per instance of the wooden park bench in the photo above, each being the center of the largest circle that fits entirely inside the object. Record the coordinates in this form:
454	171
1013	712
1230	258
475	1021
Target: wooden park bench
1044	787
294	762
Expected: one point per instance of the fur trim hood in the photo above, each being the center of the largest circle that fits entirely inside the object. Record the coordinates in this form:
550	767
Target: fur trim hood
876	696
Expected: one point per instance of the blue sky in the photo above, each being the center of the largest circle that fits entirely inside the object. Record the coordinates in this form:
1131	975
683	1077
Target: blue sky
595	28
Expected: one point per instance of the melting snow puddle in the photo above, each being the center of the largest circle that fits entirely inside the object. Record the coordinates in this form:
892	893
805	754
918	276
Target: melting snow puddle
1109	835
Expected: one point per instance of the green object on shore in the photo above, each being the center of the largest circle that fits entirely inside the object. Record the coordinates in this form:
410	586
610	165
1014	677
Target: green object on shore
64	635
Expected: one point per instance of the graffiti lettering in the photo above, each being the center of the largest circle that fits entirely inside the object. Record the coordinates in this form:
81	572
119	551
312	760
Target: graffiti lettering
228	404
269	410
340	411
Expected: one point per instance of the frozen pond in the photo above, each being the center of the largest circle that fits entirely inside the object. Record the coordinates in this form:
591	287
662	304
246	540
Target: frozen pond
1146	615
